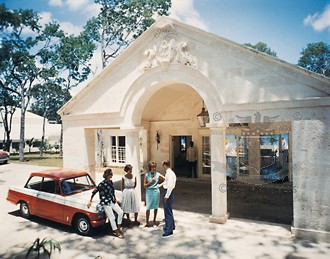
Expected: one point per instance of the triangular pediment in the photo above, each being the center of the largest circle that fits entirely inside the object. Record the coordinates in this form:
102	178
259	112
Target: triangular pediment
241	74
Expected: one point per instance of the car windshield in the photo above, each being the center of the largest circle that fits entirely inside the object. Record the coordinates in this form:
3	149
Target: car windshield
77	184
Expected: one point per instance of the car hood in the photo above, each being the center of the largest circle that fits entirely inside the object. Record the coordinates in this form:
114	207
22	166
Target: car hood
81	199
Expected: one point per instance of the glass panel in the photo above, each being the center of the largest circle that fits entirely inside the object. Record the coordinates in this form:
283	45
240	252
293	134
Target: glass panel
243	157
206	155
121	154
274	157
34	183
48	185
121	141
113	141
113	154
231	156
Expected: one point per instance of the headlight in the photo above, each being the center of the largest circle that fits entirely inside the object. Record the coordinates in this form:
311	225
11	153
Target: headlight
99	208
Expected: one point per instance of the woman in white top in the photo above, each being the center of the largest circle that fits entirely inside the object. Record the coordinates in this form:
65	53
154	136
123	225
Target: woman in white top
129	203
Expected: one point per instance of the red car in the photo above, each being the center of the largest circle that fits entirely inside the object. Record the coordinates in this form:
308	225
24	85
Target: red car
4	157
59	195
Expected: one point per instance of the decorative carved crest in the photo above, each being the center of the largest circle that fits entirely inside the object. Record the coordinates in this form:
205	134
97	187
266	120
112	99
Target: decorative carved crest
168	50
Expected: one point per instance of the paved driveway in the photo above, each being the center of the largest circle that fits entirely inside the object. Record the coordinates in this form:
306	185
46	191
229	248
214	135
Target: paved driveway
194	237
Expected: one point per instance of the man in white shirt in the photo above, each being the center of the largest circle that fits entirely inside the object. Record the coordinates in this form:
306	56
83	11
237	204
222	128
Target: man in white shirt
191	157
168	198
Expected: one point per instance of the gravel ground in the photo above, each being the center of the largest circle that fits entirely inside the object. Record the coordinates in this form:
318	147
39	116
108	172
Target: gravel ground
194	236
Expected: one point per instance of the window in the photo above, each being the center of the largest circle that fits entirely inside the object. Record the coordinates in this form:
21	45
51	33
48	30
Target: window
274	157
48	185
77	184
206	155
34	183
118	149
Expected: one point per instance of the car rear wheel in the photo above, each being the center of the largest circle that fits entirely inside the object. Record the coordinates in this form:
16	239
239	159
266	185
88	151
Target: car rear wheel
83	225
25	211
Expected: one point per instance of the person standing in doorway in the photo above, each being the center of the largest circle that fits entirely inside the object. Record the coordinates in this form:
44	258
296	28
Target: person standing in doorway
168	198
108	201
191	157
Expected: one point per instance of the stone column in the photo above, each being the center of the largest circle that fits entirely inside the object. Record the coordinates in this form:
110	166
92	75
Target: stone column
133	157
90	149
311	178
218	174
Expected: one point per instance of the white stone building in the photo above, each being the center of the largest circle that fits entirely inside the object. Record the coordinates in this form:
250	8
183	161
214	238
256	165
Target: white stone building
157	87
33	129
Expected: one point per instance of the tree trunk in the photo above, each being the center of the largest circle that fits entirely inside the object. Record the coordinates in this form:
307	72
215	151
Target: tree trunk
42	148
22	131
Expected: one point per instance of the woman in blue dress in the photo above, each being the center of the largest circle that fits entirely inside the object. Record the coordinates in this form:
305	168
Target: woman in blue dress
151	179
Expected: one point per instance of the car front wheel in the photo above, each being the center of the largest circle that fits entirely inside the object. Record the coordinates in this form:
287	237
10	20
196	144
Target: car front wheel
83	225
25	211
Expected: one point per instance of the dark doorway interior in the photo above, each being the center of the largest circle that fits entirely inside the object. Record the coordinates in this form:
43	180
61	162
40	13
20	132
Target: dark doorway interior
179	147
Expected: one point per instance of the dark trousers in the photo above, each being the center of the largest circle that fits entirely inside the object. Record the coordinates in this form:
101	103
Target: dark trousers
192	169
169	218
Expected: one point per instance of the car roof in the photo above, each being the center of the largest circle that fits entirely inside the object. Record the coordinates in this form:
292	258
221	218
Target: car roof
60	173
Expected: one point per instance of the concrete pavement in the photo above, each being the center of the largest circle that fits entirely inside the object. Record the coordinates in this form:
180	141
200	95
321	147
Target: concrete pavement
194	236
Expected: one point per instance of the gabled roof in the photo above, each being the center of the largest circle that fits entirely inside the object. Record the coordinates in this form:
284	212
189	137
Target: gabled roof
323	84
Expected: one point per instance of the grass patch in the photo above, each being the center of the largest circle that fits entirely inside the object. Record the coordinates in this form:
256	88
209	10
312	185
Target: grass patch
48	159
54	160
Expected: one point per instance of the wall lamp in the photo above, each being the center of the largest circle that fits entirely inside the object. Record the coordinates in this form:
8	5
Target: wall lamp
157	138
203	117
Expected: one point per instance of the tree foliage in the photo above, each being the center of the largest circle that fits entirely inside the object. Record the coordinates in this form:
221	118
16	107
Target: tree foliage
120	22
316	57
32	56
261	46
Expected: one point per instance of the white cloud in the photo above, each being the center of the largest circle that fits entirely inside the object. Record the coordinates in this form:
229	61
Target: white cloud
46	17
58	3
69	28
184	11
75	5
319	22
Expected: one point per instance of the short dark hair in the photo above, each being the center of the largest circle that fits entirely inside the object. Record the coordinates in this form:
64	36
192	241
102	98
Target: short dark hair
107	172
151	164
127	167
166	162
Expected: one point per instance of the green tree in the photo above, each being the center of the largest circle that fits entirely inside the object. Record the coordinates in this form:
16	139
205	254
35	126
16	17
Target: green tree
68	66
30	143
8	104
261	46
37	57
17	65
49	97
316	57
120	22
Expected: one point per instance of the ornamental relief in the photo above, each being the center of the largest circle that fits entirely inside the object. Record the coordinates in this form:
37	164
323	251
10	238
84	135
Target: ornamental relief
168	51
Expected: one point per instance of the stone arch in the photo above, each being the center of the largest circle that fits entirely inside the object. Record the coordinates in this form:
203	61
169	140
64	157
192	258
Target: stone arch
153	80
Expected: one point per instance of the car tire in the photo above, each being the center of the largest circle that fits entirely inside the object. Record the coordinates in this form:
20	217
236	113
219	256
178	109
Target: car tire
82	225
25	210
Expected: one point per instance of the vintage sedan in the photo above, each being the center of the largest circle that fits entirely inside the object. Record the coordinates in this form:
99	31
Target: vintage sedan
4	157
59	195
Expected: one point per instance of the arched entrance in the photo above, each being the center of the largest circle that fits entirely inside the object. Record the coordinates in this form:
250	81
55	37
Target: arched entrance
166	102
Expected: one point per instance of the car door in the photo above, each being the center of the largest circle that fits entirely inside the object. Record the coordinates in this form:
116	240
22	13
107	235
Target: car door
50	202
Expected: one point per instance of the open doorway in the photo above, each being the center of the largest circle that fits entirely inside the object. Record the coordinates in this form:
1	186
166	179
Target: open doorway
179	148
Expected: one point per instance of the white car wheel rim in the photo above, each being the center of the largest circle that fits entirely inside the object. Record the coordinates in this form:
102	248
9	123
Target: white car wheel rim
83	225
25	210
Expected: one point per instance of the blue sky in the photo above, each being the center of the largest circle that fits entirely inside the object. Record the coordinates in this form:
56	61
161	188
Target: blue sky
286	26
